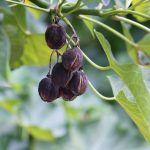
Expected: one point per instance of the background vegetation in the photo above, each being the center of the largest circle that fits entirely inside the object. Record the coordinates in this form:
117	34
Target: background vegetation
88	122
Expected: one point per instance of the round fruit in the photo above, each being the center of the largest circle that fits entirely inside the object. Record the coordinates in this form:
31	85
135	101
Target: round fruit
47	91
78	83
60	76
72	59
67	95
55	36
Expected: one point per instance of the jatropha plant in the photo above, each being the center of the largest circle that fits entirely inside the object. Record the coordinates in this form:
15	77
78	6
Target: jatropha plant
67	78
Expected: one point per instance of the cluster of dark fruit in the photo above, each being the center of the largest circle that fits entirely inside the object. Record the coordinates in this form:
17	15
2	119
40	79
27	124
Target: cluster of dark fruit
67	79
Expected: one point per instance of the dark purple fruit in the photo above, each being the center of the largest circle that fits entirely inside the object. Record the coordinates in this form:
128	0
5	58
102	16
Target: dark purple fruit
66	94
78	83
60	76
47	91
55	36
72	59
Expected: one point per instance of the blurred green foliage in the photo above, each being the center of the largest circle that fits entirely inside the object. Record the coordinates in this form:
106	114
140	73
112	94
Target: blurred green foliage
88	123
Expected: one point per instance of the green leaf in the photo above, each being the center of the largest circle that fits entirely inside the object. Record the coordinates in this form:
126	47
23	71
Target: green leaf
131	107
127	101
36	51
90	26
39	133
36	13
132	77
143	53
144	44
4	53
16	37
72	112
131	51
20	16
128	3
140	55
143	8
10	105
26	49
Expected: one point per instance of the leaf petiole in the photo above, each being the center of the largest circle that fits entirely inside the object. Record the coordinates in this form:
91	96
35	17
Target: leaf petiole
121	36
99	94
119	18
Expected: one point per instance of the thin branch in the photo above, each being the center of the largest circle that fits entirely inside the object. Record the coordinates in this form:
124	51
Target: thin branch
121	36
132	22
40	3
85	11
100	95
59	6
13	5
89	60
85	56
121	11
94	64
77	4
73	8
27	5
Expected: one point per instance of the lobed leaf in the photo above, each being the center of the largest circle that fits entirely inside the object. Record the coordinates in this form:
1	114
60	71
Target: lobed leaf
132	77
140	55
144	7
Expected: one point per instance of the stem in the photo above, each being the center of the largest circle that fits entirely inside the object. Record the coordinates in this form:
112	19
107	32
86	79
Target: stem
60	6
69	24
12	5
71	27
77	4
40	3
94	64
27	5
121	36
100	95
50	63
61	3
84	11
133	23
85	56
73	9
89	60
121	11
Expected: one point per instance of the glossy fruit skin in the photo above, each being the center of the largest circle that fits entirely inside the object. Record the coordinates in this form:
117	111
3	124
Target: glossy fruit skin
72	59
78	83
60	76
47	91
66	94
55	36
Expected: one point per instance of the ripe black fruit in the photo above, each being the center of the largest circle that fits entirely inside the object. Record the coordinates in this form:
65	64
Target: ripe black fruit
72	59
55	36
60	76
78	83
66	94
47	91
